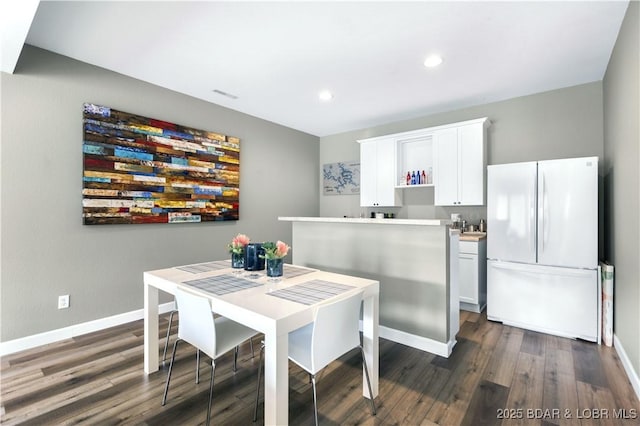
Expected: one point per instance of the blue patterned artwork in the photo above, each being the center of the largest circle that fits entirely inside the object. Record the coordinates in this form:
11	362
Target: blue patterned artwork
341	178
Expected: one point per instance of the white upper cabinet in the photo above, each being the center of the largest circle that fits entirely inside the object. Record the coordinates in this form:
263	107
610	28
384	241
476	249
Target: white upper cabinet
453	158
446	167
377	174
460	160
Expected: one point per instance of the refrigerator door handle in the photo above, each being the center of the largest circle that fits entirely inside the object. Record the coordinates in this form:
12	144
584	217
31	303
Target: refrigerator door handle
545	213
537	269
534	217
542	231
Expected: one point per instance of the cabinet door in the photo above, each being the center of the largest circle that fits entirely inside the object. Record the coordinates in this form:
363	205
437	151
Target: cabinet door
368	174
386	179
445	178
468	278
471	165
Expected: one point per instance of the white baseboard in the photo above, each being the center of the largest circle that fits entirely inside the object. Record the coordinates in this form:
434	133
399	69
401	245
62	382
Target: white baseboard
628	367
23	343
418	342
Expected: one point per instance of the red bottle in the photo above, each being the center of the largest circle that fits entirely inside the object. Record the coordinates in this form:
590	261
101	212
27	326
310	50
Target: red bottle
423	178
408	178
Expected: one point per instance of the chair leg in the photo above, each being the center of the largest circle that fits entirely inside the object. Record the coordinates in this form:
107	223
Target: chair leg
366	373
166	342
315	399
235	360
251	343
213	370
166	386
255	411
197	366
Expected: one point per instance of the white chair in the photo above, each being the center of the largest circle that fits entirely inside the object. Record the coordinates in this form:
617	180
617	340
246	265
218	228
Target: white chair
166	342
201	329
166	346
334	332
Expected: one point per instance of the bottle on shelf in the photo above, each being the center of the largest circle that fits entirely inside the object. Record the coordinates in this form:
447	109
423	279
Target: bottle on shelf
423	178
430	175
413	178
408	178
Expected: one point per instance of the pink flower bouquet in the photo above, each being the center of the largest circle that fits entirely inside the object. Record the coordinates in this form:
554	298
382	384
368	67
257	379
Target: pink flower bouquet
238	243
276	250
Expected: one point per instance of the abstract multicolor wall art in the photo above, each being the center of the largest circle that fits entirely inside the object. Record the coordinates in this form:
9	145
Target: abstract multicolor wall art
141	170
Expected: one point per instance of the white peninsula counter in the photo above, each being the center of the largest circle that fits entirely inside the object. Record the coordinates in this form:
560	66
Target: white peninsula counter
415	261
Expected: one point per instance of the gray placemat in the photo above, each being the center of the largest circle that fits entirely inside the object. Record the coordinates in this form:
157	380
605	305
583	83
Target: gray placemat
311	292
205	267
222	284
291	271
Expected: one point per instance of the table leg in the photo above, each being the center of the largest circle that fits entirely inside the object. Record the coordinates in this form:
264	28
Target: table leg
370	344
276	379
150	329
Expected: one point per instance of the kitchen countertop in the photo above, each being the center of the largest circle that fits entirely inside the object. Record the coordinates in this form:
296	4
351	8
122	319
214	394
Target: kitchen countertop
422	222
473	236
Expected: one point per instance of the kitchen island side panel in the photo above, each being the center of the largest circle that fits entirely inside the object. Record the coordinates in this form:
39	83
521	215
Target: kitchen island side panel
410	261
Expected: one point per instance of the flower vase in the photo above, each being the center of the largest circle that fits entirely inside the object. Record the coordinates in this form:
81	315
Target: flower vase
237	261
274	267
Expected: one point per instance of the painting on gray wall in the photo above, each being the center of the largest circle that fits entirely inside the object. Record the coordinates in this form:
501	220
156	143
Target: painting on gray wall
143	170
341	178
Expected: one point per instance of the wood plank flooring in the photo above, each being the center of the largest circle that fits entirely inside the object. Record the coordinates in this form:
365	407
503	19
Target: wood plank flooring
497	375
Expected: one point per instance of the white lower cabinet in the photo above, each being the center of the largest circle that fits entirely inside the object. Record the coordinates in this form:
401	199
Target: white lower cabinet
472	258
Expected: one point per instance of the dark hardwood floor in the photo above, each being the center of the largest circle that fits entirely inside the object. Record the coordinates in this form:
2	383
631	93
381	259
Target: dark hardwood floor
496	375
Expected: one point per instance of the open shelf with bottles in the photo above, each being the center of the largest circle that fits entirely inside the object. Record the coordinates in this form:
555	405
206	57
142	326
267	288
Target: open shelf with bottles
414	155
421	185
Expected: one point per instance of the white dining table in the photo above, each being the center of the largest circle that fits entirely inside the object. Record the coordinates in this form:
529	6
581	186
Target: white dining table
257	307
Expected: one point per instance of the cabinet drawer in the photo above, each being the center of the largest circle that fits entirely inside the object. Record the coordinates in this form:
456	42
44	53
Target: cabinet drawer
470	247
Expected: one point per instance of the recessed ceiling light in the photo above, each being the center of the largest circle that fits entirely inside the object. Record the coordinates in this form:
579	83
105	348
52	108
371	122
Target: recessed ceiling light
432	61
325	95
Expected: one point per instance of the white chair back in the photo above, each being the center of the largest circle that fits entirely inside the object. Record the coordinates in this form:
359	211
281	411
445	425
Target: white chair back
196	325
336	331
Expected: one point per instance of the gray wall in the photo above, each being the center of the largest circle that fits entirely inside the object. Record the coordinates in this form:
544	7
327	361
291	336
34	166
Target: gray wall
622	182
46	251
558	124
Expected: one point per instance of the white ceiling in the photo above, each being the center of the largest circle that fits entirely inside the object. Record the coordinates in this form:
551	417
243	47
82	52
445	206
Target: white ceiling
276	56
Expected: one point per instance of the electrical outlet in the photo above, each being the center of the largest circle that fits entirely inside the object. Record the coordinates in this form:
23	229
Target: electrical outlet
63	301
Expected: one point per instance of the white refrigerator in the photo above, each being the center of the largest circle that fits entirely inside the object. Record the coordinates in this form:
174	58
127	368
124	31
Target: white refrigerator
542	246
